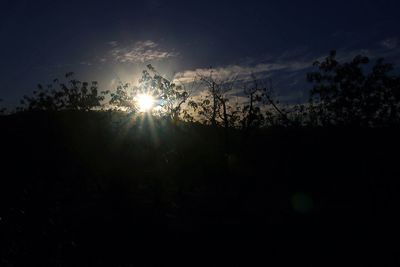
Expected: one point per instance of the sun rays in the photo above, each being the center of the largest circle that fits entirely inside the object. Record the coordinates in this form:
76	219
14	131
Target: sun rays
145	102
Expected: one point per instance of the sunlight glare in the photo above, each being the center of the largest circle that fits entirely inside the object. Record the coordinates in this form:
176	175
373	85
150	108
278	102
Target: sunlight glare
145	102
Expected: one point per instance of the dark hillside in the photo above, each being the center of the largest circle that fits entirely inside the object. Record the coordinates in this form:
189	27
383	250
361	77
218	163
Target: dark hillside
109	189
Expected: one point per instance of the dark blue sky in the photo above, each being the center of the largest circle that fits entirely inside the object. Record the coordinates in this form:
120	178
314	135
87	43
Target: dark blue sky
106	41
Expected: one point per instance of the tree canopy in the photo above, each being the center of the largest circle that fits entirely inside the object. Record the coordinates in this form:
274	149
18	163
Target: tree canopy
353	93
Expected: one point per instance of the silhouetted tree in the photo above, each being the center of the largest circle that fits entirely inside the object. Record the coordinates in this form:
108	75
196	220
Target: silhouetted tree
170	96
350	93
214	101
299	115
2	110
215	106
346	94
252	116
211	107
124	98
276	114
72	95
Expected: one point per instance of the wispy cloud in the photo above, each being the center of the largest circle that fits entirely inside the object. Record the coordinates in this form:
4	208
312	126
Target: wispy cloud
86	63
142	51
113	43
240	72
390	43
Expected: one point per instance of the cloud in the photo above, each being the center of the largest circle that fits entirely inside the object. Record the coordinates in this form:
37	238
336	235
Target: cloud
142	51
287	71
113	43
86	63
240	72
390	43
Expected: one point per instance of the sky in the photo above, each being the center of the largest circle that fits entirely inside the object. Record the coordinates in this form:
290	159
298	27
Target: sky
111	41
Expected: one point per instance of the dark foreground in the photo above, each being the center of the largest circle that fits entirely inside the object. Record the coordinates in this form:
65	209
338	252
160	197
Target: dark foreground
102	189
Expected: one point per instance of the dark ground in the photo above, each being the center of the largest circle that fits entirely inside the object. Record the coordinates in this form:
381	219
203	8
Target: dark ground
102	189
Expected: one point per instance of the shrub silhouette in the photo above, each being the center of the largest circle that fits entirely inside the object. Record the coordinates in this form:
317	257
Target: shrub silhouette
347	94
123	98
72	95
343	94
170	96
215	107
2	110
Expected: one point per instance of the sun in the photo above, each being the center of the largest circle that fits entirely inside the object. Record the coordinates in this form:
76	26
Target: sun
145	102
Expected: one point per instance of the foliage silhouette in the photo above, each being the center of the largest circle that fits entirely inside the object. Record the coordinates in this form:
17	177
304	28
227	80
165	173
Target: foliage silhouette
2	110
343	94
217	107
346	94
170	96
214	107
72	95
253	117
124	98
110	187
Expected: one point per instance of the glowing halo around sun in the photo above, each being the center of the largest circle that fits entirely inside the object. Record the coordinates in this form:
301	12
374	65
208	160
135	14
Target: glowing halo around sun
145	102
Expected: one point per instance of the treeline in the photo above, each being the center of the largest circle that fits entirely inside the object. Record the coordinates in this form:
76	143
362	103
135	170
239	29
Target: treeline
355	93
